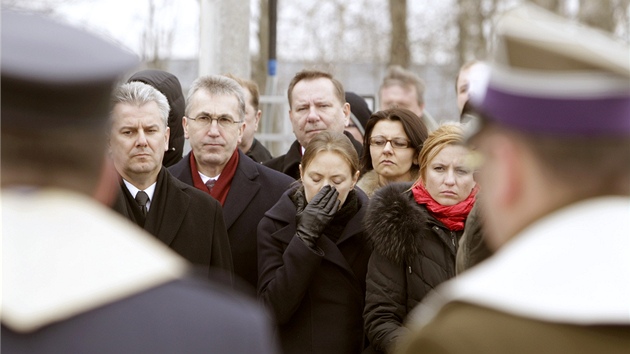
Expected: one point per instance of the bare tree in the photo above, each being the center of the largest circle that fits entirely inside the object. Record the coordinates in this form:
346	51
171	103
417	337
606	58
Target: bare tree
157	36
259	60
600	14
399	53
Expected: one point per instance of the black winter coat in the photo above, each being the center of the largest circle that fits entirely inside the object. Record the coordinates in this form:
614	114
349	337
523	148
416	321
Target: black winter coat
317	299
413	253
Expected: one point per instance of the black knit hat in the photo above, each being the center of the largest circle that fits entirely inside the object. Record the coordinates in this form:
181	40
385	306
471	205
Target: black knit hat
359	109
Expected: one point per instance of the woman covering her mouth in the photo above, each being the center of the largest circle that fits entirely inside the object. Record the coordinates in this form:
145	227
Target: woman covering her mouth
313	255
415	228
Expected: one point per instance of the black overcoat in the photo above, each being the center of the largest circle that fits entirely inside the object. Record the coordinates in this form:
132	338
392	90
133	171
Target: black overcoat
254	189
317	299
188	221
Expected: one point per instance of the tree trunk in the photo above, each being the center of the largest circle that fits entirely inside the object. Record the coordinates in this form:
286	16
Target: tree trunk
599	14
259	62
472	42
399	53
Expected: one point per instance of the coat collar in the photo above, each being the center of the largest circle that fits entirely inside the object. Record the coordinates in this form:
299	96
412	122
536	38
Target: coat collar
78	256
572	266
397	225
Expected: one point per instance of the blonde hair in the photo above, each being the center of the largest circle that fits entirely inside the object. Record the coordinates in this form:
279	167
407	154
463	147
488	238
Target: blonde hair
445	135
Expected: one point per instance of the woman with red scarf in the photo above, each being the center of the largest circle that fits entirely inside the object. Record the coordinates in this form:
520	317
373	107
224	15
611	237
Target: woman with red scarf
415	229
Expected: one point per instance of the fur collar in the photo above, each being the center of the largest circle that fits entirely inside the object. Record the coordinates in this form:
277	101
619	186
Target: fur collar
369	182
394	223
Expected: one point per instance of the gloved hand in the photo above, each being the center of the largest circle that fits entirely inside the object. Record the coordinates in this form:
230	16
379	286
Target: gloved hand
316	215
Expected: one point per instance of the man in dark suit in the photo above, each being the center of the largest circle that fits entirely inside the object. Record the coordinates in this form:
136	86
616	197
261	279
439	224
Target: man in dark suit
214	123
317	102
187	220
77	277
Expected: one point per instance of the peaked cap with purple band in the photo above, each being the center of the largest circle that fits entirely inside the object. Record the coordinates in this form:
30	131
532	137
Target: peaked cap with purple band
550	76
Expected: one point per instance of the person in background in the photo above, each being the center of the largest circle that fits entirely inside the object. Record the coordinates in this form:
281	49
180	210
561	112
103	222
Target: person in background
316	103
402	88
472	246
249	144
414	228
359	115
187	220
556	200
214	124
393	141
76	276
168	84
313	253
462	82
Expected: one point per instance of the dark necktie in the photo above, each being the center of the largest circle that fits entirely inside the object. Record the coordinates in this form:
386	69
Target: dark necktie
210	184
142	198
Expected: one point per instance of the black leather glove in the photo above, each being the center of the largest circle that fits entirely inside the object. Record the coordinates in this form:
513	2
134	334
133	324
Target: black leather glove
316	215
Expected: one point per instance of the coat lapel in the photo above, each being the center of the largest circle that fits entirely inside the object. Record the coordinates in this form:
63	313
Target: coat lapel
242	190
170	210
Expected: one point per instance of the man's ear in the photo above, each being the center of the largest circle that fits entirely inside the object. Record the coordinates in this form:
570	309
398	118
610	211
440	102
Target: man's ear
257	119
185	126
346	114
508	180
108	184
167	137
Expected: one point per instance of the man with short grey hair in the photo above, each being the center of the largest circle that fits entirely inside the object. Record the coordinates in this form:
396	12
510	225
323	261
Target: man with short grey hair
402	88
187	220
214	123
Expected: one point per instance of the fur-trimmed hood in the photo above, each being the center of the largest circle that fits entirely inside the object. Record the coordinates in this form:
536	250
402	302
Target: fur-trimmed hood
395	223
369	182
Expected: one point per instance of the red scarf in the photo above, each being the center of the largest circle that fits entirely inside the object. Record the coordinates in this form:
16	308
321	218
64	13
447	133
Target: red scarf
222	186
454	216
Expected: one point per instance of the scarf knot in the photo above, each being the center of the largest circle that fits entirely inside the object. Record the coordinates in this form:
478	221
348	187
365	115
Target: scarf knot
454	216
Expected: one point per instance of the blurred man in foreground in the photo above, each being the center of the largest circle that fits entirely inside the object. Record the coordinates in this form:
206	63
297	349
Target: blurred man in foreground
555	139
76	277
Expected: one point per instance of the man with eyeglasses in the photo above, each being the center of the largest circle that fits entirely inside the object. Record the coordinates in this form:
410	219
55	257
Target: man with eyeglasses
214	124
185	219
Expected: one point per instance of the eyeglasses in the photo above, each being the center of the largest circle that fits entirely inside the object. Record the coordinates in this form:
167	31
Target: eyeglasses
224	122
381	141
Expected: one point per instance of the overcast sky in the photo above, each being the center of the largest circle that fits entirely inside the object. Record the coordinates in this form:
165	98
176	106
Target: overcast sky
124	20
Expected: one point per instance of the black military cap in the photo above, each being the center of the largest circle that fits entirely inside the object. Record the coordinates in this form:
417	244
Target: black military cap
54	74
